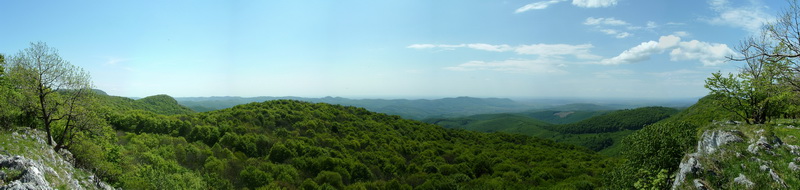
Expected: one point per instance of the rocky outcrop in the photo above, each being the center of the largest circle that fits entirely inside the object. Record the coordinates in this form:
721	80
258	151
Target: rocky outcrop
712	140
757	152
30	175
742	180
32	164
709	143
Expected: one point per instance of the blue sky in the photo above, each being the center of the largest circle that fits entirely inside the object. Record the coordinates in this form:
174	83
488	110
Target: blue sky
393	49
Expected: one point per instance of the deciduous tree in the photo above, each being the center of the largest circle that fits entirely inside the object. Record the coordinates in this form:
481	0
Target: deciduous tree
53	89
758	92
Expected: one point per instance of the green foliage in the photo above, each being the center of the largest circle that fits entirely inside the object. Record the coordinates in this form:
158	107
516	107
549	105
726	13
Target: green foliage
652	182
279	153
703	113
330	178
563	117
10	174
52	90
162	104
599	133
758	93
282	144
10	113
648	151
632	119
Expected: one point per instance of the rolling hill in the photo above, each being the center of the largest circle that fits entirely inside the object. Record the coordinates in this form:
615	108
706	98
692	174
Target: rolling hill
410	109
632	119
562	116
299	145
600	132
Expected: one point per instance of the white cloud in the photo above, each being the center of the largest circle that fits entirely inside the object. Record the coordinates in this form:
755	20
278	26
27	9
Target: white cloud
580	3
616	33
615	27
581	51
440	46
749	18
643	51
538	66
710	54
489	47
651	25
594	3
537	6
667	42
421	46
604	21
636	54
623	35
681	33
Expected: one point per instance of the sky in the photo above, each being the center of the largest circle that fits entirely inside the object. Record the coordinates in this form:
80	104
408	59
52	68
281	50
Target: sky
393	49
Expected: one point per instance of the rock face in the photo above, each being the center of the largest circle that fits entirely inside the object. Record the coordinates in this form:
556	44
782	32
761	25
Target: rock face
712	140
742	180
31	174
39	167
756	152
709	143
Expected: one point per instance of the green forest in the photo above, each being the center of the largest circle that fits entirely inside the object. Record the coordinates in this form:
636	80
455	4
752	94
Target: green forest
156	143
597	130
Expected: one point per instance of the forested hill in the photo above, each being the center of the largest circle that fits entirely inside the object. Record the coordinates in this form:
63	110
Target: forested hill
410	109
160	104
163	104
602	131
293	144
632	119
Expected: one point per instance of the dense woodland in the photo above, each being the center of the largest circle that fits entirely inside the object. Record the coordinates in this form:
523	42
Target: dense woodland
600	130
155	143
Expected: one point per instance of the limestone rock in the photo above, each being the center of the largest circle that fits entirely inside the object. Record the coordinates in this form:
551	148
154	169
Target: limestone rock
698	184
42	168
690	166
764	144
793	166
32	177
743	181
712	140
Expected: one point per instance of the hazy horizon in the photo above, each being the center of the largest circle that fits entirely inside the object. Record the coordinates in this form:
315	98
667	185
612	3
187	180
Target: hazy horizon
388	97
359	49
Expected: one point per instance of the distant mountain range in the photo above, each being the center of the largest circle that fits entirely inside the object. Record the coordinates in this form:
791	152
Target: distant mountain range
420	109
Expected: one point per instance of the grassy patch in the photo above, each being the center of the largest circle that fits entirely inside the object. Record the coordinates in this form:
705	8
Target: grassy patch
721	168
10	175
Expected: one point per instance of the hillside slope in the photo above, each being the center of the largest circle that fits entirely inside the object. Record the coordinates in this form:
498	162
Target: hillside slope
293	144
599	133
629	119
563	117
27	162
740	156
159	104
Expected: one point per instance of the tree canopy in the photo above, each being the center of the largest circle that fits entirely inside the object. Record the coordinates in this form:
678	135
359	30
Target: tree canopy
53	90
